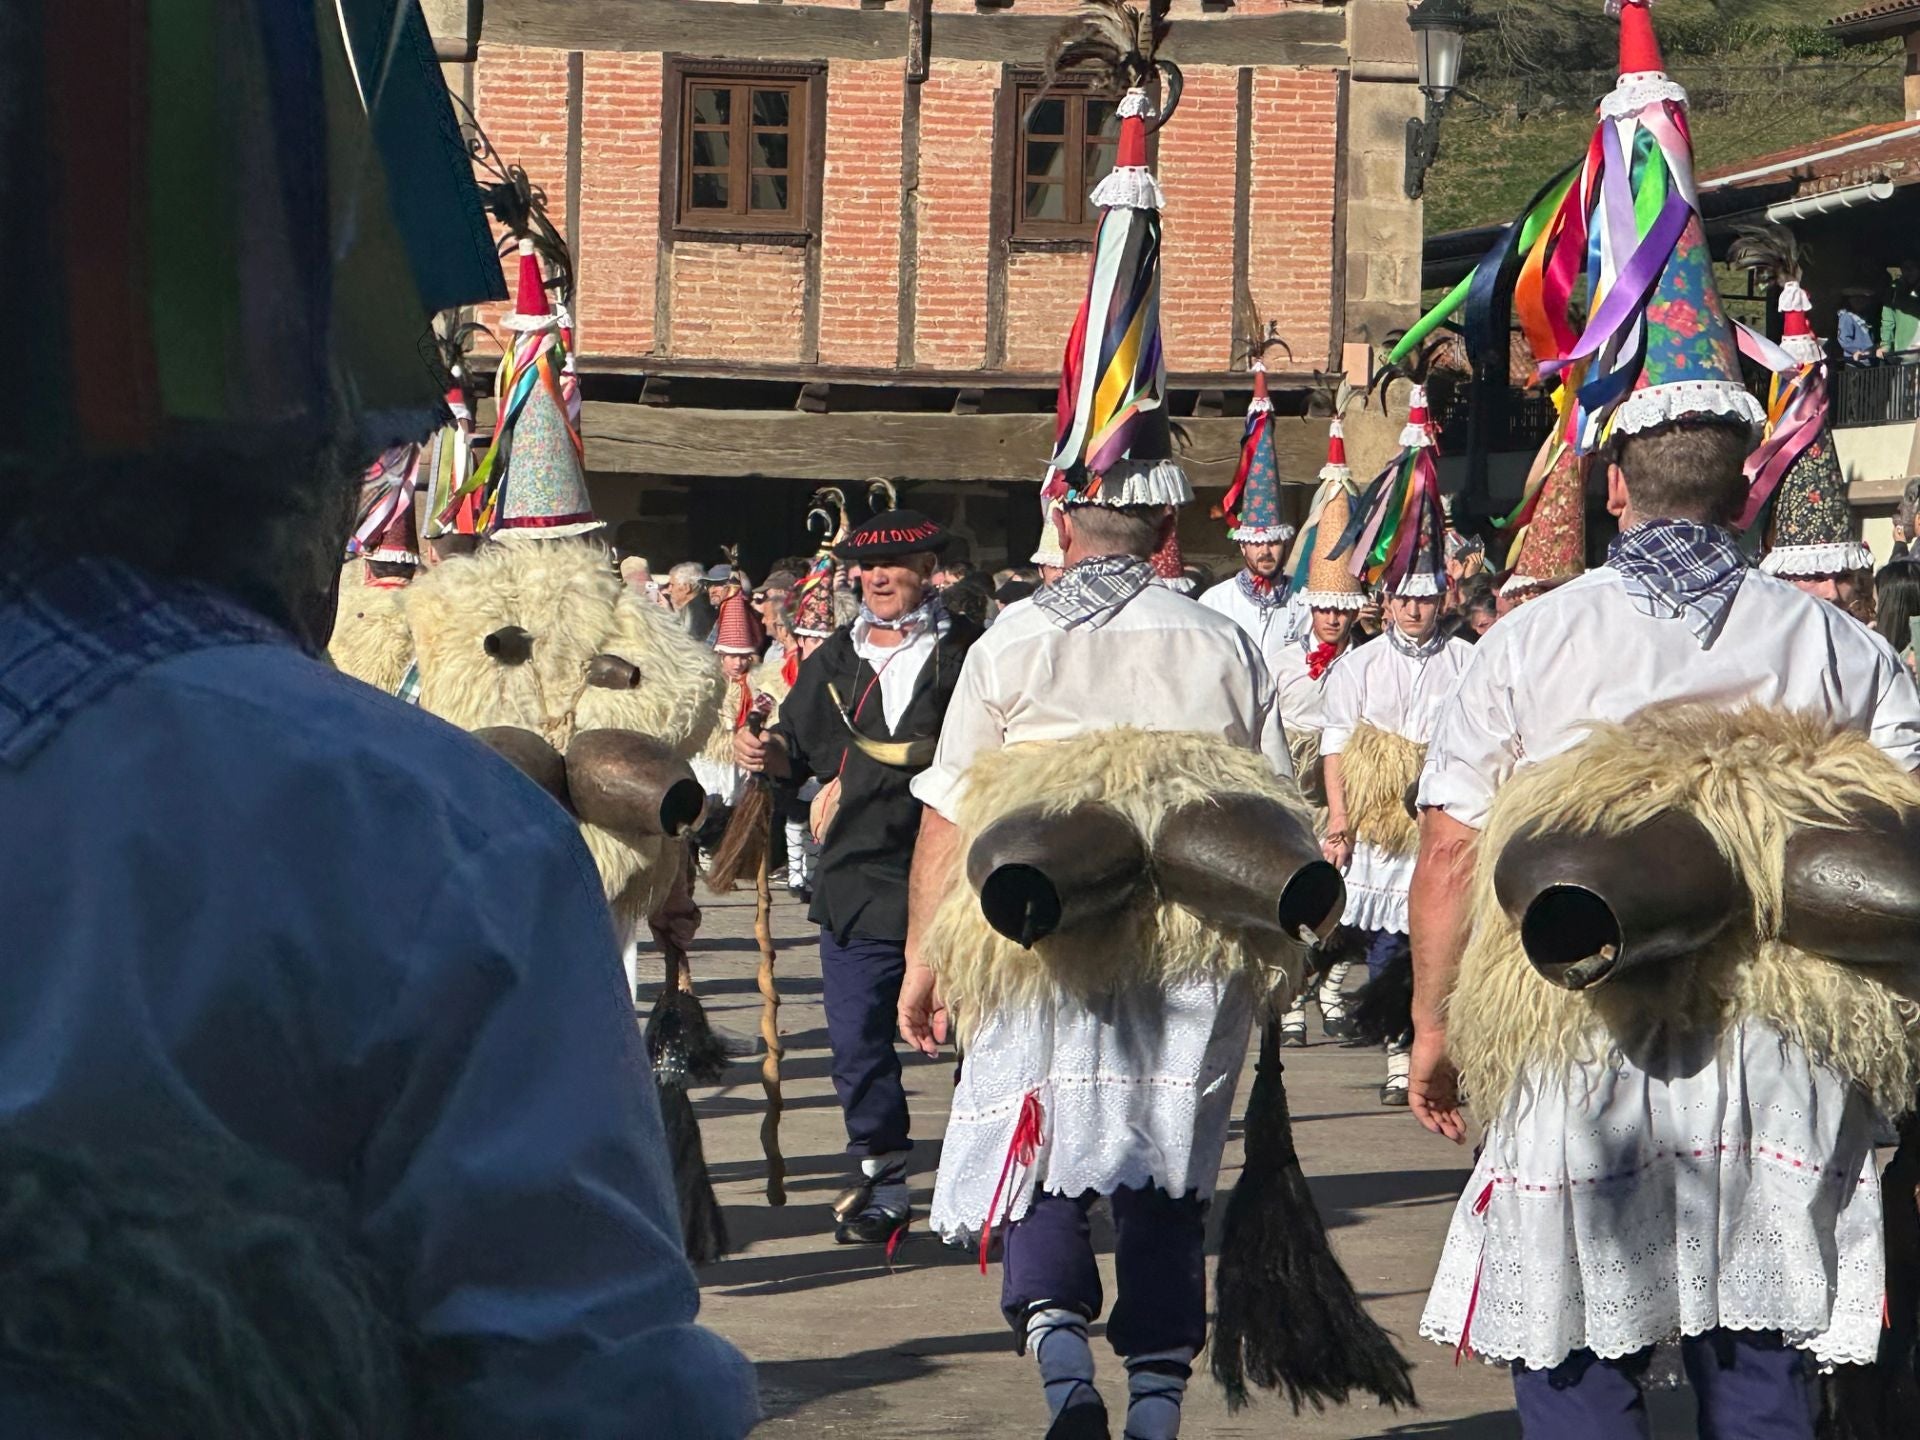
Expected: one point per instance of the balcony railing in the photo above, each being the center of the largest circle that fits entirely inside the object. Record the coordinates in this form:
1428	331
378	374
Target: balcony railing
1527	419
1875	394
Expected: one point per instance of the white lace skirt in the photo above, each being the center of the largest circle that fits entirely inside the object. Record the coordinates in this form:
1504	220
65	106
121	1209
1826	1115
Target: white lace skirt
1377	885
1738	1190
1135	1090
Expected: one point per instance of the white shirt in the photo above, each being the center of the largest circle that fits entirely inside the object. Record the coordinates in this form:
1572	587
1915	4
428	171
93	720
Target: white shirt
1583	654
1163	662
1382	686
1300	693
1269	627
897	667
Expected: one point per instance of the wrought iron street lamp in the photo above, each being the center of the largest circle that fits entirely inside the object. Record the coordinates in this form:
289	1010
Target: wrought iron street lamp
1439	36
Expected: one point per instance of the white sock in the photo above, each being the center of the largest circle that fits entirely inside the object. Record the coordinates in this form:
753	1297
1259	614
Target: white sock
1057	1340
1399	1065
796	854
1296	1018
1331	996
1156	1384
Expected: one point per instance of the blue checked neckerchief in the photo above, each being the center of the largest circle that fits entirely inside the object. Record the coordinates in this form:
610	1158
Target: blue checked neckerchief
1680	570
74	628
1265	594
1094	591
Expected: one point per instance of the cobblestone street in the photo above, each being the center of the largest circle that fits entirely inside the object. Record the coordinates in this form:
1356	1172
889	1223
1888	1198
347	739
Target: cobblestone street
844	1348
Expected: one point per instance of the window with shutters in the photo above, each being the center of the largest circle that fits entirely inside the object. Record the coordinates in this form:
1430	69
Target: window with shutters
742	155
1064	146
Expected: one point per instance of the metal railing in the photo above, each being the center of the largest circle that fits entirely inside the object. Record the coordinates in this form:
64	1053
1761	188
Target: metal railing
1527	419
1875	394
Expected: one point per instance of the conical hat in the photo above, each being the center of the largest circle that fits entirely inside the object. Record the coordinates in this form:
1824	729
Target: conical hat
813	602
1253	504
1330	584
1555	545
1336	467
1168	567
1692	362
739	631
1812	522
1048	552
384	525
543	495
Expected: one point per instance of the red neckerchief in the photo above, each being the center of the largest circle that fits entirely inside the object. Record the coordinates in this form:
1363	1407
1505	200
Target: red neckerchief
1262	584
790	667
1319	658
746	704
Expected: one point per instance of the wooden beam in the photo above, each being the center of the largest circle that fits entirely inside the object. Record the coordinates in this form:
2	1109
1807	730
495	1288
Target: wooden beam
788	445
817	32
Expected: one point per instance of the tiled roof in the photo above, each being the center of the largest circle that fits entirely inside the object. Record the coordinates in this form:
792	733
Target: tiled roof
1889	151
1872	21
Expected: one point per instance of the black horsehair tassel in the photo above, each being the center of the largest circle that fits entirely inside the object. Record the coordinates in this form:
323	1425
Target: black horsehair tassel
1288	1318
686	1051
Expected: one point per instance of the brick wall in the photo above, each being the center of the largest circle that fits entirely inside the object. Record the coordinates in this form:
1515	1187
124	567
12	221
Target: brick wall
737	302
955	200
619	201
1291	210
1196	172
520	95
744	301
1043	294
860	240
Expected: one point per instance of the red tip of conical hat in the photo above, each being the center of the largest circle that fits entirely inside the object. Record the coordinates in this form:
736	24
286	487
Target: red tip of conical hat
1133	143
1336	443
1259	381
1417	406
1639	50
532	298
1794	322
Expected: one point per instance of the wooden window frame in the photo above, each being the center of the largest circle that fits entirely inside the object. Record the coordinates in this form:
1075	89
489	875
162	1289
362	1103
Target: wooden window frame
1022	234
799	223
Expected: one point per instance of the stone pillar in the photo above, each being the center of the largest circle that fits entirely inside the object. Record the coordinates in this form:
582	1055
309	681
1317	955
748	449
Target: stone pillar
1384	228
1910	85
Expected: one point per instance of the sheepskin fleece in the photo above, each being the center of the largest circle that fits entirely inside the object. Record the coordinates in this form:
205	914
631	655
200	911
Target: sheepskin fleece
1751	777
766	679
370	639
1144	775
1375	770
564	594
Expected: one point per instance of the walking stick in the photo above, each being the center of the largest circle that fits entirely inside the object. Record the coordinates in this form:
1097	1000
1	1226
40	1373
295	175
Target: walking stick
769	1013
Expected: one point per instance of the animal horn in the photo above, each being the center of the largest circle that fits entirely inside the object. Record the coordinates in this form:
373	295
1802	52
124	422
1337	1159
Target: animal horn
1853	895
1037	873
623	781
1250	863
882	495
532	756
1591	907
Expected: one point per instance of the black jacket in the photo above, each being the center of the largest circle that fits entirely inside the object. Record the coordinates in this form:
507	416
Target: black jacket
860	887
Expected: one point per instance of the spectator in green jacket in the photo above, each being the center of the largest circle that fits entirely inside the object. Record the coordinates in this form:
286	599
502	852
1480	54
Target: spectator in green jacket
1900	316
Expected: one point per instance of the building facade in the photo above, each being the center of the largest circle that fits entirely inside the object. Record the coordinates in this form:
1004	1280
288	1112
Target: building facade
838	241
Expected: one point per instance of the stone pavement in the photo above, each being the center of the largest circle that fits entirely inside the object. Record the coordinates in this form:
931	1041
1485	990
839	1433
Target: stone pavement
846	1349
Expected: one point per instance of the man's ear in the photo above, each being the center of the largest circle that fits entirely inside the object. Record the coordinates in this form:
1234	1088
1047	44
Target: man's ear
1616	491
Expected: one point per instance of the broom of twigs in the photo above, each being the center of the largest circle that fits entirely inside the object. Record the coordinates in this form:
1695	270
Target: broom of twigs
743	845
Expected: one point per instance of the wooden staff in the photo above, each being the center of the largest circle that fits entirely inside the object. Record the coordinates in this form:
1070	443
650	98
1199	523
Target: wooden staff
769	1014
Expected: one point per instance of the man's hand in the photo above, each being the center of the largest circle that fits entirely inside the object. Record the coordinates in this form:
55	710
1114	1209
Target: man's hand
923	1014
1433	1086
749	750
765	752
1338	849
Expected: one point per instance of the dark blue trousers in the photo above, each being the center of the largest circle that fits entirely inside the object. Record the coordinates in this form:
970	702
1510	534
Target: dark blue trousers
1382	947
1159	1266
1750	1385
860	985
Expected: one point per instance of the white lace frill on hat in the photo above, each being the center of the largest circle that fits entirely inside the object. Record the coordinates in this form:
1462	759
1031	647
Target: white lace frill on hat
1736	1189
